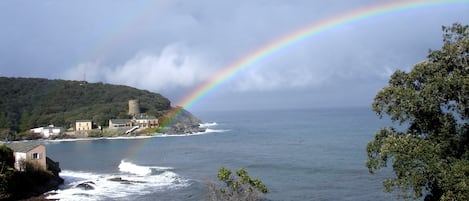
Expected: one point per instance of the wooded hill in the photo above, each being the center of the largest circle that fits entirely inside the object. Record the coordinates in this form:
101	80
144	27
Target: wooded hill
32	102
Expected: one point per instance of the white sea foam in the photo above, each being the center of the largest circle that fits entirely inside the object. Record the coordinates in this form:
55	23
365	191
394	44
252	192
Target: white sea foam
140	170
126	183
215	130
134	169
209	124
208	130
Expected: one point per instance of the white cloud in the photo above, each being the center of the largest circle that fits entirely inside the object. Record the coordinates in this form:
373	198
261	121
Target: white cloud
280	78
175	66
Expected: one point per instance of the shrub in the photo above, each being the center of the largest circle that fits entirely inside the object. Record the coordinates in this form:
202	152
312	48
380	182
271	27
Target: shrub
236	187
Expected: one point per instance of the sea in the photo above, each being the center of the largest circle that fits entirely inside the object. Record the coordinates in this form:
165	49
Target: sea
299	154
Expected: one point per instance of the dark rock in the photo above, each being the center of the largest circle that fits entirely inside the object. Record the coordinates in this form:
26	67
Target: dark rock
53	166
183	129
124	181
86	185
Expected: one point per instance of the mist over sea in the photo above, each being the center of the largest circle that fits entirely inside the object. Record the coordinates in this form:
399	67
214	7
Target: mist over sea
314	154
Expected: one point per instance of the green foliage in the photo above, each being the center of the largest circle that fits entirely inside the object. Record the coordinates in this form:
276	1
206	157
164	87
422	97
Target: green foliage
32	182
237	187
5	179
147	131
6	134
224	174
31	102
112	133
95	133
27	136
25	121
34	168
430	158
7	159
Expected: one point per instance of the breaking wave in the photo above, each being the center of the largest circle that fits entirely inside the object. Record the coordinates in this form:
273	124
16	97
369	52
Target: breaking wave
208	130
131	180
134	169
206	125
140	170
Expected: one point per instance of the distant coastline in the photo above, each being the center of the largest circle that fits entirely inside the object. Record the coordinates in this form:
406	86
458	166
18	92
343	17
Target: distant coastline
35	108
156	135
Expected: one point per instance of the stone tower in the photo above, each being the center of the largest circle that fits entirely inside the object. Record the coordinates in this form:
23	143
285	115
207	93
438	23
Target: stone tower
134	107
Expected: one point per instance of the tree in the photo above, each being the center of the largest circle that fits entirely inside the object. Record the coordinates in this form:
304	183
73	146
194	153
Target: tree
237	187
25	121
429	154
7	159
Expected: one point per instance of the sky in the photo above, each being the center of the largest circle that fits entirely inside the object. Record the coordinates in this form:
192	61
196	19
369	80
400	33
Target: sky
173	46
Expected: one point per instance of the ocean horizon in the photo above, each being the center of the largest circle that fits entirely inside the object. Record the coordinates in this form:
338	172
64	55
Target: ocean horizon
299	154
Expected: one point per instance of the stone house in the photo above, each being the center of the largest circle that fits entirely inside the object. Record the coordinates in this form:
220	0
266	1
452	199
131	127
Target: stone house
145	121
31	152
83	125
119	123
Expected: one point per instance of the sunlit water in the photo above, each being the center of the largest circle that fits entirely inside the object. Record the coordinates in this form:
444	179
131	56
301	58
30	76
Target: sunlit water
299	154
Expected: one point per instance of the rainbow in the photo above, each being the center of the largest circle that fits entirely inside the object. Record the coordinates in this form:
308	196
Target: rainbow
299	36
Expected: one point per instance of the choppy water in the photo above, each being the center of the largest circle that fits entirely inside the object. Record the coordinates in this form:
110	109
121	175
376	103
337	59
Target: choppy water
299	154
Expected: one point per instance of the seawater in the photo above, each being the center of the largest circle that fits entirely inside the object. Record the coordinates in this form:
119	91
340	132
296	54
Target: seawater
314	154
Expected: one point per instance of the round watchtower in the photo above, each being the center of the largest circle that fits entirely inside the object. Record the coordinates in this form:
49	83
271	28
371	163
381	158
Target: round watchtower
134	107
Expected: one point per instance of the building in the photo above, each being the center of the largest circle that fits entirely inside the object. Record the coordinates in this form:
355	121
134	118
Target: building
83	125
134	107
145	121
48	131
118	123
28	152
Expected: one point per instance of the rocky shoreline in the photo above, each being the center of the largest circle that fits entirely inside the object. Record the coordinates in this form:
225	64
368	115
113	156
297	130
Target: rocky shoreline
183	129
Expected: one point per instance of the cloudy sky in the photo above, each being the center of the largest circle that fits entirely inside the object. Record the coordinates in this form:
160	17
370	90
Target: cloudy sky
173	46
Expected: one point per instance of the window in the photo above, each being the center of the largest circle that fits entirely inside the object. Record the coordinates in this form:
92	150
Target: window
36	156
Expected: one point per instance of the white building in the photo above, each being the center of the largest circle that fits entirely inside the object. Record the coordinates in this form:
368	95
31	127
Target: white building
48	131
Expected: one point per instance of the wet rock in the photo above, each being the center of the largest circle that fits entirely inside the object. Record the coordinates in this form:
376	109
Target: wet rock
124	181
86	185
184	129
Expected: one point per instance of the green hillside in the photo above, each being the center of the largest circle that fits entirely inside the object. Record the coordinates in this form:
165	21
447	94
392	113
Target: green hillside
32	102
